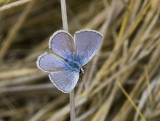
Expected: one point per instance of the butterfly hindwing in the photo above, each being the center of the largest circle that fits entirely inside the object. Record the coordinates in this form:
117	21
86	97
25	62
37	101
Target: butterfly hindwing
49	63
64	80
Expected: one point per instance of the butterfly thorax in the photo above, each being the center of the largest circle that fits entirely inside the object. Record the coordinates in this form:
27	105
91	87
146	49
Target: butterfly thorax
73	65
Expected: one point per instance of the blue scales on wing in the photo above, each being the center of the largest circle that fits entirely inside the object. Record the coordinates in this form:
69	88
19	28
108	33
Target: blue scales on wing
87	43
64	80
61	43
50	63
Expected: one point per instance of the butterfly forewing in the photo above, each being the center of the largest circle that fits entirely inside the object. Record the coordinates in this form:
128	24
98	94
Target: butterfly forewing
61	43
87	43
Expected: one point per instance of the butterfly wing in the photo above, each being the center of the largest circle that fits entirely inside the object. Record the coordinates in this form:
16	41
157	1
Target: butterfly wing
65	80
87	42
50	62
61	42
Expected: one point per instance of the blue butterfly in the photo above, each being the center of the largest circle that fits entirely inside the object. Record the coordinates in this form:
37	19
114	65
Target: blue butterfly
68	55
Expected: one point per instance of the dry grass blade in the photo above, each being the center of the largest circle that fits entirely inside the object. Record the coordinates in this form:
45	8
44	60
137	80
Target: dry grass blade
11	35
131	101
14	4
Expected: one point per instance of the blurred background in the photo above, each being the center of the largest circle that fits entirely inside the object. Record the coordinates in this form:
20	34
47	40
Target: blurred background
121	83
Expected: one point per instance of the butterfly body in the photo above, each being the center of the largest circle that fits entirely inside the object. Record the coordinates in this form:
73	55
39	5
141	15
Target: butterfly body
69	55
73	65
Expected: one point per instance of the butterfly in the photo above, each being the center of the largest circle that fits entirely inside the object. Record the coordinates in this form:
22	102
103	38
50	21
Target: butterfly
68	56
